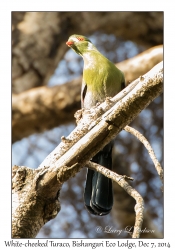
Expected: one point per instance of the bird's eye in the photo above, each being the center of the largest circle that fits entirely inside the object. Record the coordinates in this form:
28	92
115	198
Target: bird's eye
80	38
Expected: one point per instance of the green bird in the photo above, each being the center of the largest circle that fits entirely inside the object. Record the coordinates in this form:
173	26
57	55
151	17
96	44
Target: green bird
101	79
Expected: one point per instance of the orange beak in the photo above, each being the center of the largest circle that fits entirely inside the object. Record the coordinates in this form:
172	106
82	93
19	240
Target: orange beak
69	43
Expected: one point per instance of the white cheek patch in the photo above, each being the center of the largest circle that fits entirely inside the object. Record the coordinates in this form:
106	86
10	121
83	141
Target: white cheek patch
74	39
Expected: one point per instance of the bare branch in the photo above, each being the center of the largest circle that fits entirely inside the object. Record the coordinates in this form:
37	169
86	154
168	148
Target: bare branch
148	147
104	127
38	190
139	207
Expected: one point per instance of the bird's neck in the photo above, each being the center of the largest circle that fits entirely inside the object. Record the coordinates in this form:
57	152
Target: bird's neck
92	57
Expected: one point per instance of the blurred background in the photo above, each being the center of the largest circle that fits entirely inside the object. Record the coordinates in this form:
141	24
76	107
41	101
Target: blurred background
46	82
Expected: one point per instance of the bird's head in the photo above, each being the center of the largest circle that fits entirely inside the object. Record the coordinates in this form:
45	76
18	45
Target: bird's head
80	44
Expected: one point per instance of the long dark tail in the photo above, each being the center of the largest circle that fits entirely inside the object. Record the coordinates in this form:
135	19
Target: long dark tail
98	195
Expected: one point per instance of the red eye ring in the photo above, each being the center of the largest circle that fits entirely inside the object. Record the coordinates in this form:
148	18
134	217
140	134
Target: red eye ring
80	38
